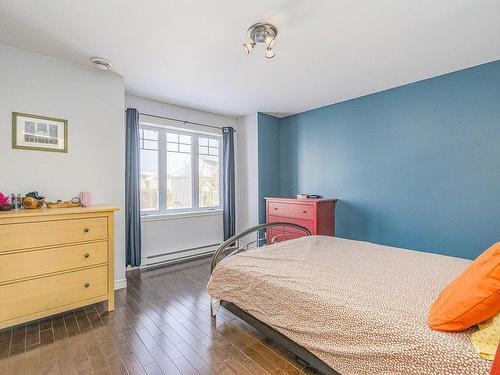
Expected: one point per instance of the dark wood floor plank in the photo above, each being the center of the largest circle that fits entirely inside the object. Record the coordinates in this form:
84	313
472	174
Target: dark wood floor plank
132	364
5	340
32	362
191	355
45	324
94	353
78	356
152	328
168	347
18	341
139	349
146	338
50	368
164	362
15	365
32	334
232	350
82	320
93	317
64	361
71	325
185	367
46	337
153	369
116	366
121	345
59	328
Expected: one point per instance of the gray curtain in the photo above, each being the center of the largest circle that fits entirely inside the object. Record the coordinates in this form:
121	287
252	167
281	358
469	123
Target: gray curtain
132	192
228	182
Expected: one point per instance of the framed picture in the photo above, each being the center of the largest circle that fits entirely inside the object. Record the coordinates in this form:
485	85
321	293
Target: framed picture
32	132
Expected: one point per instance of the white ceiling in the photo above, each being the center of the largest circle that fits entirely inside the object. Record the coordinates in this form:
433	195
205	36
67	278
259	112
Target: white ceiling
189	52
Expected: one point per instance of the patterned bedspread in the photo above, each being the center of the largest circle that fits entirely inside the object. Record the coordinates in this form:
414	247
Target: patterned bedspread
358	306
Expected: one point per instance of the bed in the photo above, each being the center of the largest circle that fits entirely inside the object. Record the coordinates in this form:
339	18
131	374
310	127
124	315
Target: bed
343	306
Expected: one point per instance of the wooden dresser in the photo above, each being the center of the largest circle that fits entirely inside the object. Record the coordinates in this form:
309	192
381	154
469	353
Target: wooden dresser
53	260
317	215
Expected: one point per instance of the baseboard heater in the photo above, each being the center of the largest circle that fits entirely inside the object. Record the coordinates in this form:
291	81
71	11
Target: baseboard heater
181	258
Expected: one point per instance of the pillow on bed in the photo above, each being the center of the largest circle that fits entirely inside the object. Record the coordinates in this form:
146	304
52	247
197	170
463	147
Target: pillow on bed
472	297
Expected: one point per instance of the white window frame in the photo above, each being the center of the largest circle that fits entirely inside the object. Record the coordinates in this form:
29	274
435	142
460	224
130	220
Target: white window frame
162	171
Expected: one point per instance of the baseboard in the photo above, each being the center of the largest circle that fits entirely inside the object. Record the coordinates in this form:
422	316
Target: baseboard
120	284
177	260
168	257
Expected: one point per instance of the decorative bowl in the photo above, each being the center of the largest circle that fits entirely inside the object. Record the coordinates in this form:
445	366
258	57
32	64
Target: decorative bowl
30	202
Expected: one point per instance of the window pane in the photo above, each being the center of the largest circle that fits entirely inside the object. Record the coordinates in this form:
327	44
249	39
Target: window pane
184	148
185	139
203	150
149	180
209	181
213	142
214	151
178	180
203	141
150	134
150	145
172	146
172	137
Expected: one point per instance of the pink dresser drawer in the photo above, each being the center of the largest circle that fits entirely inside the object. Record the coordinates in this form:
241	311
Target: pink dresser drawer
297	211
309	224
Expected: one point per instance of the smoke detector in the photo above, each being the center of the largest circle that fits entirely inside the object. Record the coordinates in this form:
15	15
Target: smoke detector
100	63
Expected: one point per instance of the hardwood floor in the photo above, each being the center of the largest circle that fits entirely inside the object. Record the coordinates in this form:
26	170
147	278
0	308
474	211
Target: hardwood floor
161	325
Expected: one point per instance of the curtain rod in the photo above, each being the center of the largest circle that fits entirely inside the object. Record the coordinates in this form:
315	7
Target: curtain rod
183	121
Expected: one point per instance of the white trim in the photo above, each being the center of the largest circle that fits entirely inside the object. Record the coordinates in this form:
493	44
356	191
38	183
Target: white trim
180	215
120	284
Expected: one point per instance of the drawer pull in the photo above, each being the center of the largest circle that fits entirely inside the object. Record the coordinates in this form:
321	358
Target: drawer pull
87	285
275	208
304	212
86	255
86	230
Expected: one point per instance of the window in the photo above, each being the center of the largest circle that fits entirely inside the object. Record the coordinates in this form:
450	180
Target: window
149	169
208	172
180	171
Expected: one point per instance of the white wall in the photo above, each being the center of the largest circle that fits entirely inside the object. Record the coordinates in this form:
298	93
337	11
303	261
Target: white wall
165	235
92	102
247	183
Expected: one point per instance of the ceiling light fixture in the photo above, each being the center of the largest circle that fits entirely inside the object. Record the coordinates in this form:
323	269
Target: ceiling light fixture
100	63
262	33
248	47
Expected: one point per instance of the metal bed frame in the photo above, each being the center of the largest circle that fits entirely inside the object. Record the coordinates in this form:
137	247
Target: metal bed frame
233	246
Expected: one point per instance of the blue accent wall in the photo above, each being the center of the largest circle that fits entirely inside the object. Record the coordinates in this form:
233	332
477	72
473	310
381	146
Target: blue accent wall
416	166
269	160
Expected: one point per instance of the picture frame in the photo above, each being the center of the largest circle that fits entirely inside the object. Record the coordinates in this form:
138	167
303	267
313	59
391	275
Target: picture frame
39	133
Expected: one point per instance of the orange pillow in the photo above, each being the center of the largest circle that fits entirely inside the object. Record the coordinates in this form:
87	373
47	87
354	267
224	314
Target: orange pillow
472	297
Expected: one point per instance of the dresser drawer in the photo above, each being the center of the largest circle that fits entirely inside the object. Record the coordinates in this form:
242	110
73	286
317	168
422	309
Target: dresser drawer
277	235
26	264
305	223
34	296
297	211
47	233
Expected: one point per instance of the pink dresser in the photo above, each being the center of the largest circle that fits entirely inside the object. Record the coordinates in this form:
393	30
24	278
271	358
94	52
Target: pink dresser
317	215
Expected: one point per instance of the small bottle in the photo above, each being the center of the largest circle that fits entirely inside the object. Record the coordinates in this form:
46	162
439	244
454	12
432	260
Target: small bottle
16	200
